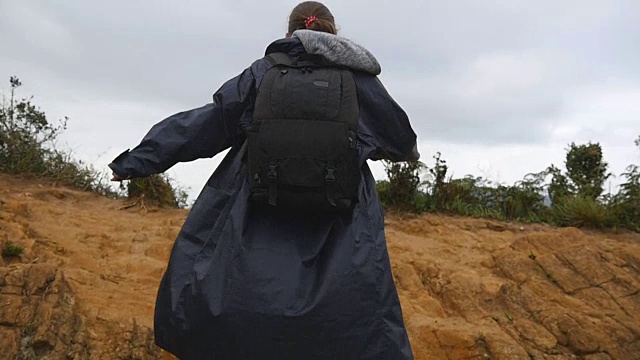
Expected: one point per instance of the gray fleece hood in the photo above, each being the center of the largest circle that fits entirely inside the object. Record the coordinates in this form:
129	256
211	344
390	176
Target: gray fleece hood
338	50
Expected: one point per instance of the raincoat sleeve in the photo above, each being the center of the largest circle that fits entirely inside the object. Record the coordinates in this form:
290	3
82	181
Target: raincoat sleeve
202	132
384	123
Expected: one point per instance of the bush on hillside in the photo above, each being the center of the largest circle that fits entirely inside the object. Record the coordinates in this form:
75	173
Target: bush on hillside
401	191
157	190
11	250
525	200
625	205
583	203
28	148
581	211
575	196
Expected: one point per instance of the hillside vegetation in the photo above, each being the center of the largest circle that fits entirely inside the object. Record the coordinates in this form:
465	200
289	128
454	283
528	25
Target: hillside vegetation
574	197
571	197
28	147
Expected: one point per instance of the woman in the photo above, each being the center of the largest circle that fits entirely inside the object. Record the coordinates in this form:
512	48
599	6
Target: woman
247	284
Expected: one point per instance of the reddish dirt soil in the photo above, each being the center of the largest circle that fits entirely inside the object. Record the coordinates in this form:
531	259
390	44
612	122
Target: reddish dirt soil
470	289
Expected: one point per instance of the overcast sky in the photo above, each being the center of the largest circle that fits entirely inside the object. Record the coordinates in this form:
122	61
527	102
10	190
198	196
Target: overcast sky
500	87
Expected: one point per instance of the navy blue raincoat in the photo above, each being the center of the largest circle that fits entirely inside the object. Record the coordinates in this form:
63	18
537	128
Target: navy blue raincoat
244	284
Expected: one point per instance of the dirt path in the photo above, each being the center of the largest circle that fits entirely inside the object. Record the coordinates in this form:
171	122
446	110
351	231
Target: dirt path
470	289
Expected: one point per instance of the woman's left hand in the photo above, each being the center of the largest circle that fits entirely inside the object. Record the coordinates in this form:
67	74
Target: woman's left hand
117	177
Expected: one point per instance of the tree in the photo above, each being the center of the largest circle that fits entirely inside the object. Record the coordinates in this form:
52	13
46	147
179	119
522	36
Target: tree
587	169
25	134
439	173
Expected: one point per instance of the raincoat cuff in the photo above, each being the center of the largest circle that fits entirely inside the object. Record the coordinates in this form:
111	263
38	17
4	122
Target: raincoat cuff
117	167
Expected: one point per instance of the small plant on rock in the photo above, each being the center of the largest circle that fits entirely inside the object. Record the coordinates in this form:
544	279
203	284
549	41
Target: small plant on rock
11	250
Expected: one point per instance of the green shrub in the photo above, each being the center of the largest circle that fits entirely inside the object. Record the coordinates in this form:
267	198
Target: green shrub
382	187
575	196
422	202
525	199
27	147
402	189
157	190
582	211
11	250
625	205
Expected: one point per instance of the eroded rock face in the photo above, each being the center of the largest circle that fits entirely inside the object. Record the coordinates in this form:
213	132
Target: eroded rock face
537	293
40	319
37	313
85	283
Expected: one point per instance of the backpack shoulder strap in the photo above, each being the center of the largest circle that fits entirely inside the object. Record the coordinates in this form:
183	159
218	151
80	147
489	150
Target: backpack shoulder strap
350	89
280	58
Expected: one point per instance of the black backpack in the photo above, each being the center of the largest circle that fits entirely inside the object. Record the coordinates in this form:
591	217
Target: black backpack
302	148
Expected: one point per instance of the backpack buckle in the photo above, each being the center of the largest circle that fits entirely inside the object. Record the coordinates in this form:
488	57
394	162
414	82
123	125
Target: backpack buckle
330	176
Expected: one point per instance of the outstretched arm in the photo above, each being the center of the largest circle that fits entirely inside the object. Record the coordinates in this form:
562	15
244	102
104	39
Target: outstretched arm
189	135
392	136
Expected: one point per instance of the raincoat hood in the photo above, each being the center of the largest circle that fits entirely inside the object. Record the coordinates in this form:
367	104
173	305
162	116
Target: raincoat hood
334	48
